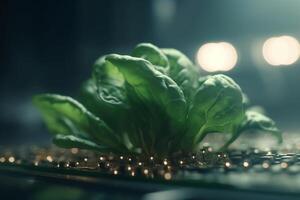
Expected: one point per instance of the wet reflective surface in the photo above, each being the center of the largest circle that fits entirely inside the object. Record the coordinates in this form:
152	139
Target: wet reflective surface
40	172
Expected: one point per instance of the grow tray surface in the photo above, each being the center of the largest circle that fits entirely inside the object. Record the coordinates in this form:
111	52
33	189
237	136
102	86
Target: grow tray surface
261	173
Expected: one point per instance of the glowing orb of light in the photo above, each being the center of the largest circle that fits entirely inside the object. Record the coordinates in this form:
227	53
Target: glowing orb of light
283	50
221	56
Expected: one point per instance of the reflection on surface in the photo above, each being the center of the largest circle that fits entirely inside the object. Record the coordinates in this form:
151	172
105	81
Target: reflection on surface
18	187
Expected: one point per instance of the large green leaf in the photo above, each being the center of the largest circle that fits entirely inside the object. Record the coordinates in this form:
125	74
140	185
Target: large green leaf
106	90
105	95
217	107
151	85
157	97
56	107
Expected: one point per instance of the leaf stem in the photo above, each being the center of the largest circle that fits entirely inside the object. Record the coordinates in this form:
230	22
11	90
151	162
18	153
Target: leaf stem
200	135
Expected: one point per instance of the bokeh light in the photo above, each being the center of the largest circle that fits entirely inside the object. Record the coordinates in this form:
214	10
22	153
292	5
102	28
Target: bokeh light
283	50
214	57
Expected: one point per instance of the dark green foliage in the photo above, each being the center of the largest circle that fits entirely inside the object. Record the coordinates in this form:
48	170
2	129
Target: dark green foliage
154	102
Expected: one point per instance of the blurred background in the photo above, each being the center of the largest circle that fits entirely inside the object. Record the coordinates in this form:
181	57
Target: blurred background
50	46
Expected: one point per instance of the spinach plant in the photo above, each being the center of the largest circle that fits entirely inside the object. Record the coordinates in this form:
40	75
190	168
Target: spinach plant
152	102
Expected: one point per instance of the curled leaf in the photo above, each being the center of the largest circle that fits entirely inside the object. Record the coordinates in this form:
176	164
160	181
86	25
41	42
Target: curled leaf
182	71
153	54
107	101
178	62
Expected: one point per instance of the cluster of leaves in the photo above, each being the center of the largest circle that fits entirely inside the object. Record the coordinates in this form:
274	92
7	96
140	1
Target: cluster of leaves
153	102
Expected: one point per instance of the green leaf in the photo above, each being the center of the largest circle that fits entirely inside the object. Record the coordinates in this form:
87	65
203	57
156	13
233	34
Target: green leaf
217	107
106	101
153	54
106	73
151	85
57	123
156	97
105	95
177	61
255	121
57	107
71	141
182	71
